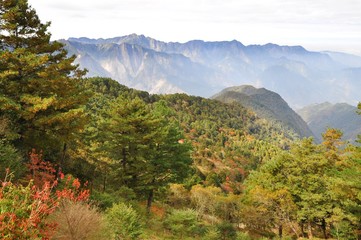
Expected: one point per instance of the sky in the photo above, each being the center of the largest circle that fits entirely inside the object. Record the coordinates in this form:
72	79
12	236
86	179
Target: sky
314	24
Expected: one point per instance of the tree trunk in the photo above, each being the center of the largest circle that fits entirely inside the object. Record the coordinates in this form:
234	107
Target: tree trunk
309	230
293	228
124	160
124	165
104	181
149	200
280	231
302	225
63	157
91	186
324	228
61	163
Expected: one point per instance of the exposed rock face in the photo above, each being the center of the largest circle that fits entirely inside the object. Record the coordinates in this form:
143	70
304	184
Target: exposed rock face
203	68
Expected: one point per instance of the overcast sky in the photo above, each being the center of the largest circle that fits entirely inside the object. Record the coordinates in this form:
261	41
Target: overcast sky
314	24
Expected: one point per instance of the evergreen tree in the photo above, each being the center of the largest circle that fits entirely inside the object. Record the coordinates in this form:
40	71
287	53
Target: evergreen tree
39	90
141	146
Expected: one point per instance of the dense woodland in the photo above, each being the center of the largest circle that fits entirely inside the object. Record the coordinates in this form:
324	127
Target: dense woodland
88	158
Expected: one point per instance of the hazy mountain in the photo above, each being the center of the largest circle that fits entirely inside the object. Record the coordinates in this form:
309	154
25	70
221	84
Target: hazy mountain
141	68
266	104
341	116
348	60
201	68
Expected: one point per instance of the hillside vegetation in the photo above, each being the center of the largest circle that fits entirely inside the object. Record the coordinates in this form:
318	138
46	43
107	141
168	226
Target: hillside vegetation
88	158
342	116
266	104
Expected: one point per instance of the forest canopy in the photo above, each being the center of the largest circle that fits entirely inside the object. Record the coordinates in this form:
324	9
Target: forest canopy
132	165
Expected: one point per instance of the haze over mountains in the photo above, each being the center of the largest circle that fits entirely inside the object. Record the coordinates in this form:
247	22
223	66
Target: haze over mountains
342	116
203	68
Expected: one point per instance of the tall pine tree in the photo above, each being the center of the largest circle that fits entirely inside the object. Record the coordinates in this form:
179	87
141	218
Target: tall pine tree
39	90
139	144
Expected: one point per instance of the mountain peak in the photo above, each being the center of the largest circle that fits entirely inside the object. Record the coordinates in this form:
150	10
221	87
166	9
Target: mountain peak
266	104
248	90
301	77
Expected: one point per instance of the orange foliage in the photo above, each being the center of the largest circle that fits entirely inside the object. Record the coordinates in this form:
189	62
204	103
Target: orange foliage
25	209
40	171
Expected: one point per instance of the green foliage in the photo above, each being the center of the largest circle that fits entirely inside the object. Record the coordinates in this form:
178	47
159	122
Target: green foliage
227	230
243	236
228	141
106	200
136	145
344	230
183	223
269	105
39	90
124	222
10	159
306	188
212	233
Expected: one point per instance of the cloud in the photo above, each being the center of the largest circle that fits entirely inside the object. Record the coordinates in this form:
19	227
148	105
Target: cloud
250	21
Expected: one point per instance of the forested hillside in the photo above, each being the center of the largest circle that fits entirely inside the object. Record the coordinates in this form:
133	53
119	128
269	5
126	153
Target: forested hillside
342	116
266	104
88	158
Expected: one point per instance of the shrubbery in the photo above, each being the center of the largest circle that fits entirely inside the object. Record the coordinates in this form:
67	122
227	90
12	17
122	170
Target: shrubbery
124	222
184	222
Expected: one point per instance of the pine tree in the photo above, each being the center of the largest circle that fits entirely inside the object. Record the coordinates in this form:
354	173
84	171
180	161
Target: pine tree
39	90
140	145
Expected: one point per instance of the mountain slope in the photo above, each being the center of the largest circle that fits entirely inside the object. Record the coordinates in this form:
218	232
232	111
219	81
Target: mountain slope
201	68
342	116
141	68
266	104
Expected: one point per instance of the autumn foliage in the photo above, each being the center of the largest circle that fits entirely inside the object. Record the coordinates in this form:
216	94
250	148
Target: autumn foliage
40	171
25	210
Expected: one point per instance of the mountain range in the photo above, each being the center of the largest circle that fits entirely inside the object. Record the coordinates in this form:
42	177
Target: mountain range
202	68
266	104
342	116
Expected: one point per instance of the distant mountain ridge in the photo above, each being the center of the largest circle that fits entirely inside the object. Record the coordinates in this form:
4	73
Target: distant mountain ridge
342	116
266	104
201	68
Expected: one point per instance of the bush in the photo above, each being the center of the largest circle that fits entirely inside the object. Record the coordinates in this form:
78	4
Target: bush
103	200
204	198
243	236
212	233
227	230
24	210
10	159
343	230
178	195
124	222
106	200
184	223
78	220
